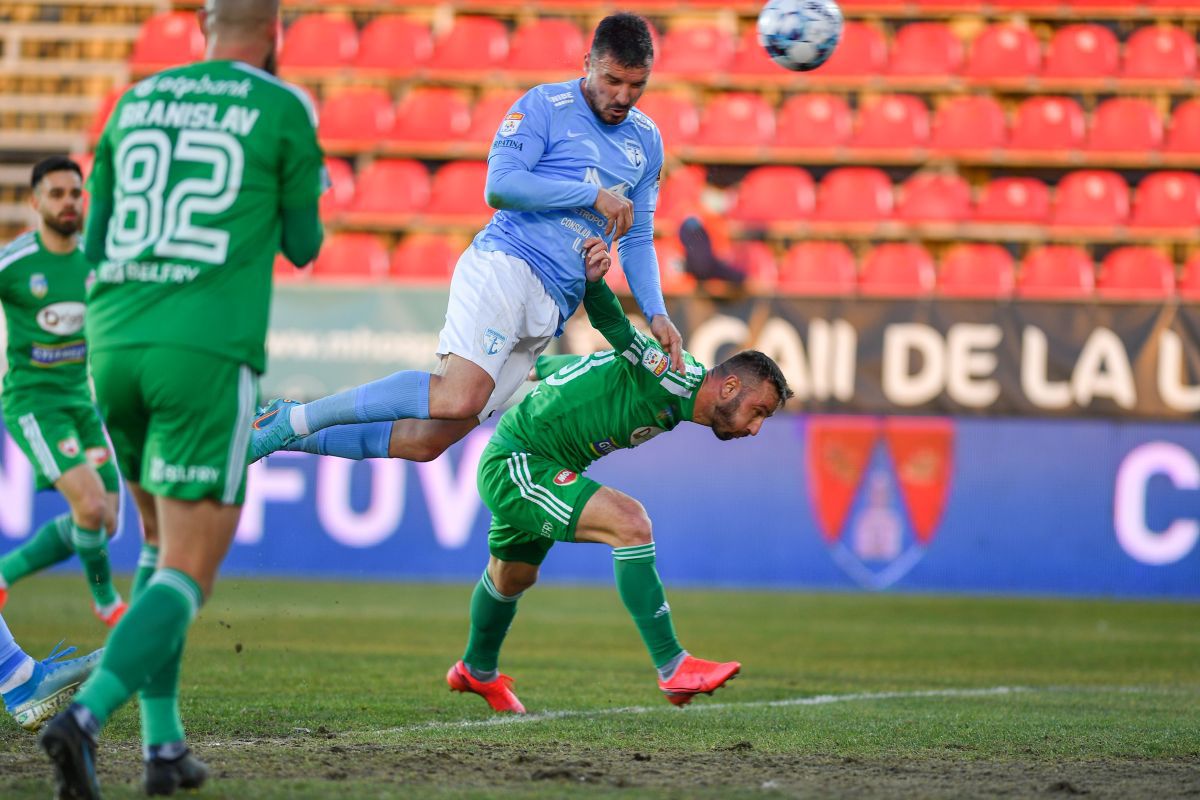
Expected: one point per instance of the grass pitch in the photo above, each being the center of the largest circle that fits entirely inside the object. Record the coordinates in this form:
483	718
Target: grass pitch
317	689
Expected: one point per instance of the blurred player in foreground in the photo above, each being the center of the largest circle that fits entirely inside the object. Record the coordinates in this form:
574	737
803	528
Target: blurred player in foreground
34	690
48	407
202	174
570	161
530	477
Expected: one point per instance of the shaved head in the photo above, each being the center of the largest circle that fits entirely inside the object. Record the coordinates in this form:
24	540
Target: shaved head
226	14
242	30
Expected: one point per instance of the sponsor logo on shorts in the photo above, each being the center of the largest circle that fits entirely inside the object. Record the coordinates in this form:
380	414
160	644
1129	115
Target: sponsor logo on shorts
62	319
493	341
53	355
565	477
69	447
644	434
547	528
38	287
162	472
656	361
510	124
97	456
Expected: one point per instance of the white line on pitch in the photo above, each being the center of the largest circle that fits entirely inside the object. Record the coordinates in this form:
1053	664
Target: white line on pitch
814	700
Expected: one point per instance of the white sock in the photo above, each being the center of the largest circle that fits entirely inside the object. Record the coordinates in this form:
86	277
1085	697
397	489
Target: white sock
19	676
3	583
299	420
105	610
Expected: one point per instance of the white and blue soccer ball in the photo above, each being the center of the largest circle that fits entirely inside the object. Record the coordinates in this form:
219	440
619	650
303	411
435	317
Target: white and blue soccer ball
800	34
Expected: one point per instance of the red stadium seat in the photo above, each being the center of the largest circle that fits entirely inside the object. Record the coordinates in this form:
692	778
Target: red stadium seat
351	256
751	58
425	257
813	121
774	194
675	115
974	123
679	195
1015	201
316	42
929	197
861	53
167	40
673	277
1159	53
1051	124
1091	199
340	194
1184	134
855	194
758	262
819	268
85	161
695	50
1125	125
1004	51
926	50
897	269
1136	273
355	119
1167	200
487	113
737	120
474	44
1056	272
393	45
389	191
457	191
547	45
284	271
1081	52
976	269
1189	279
431	114
892	122
103	112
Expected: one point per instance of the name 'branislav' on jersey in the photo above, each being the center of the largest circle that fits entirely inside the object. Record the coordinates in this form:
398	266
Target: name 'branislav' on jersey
201	116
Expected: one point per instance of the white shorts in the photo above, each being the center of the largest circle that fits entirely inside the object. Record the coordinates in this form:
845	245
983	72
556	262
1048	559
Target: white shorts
499	317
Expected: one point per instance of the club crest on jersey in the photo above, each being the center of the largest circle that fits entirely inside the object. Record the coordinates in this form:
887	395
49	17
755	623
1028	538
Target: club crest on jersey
510	124
633	152
493	341
565	477
656	361
38	286
69	447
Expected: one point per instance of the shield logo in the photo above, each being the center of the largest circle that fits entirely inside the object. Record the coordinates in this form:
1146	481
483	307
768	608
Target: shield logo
38	287
878	488
69	447
493	341
633	152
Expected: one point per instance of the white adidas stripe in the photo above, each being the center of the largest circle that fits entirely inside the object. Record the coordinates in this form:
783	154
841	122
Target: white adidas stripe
518	479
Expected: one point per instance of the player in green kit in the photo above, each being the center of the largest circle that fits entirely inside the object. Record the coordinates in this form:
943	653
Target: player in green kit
530	476
202	174
48	408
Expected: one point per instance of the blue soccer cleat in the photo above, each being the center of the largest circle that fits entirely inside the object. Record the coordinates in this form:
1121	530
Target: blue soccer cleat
272	429
53	684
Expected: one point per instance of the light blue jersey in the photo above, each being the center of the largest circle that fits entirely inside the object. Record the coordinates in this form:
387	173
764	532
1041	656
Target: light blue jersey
549	159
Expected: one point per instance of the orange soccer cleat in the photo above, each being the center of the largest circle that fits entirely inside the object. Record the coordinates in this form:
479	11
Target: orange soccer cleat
696	676
498	693
111	614
3	596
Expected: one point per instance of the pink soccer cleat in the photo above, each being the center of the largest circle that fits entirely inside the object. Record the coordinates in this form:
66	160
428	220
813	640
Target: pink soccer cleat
498	693
696	676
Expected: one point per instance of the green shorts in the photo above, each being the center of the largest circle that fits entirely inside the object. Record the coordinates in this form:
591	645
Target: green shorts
534	502
59	439
179	419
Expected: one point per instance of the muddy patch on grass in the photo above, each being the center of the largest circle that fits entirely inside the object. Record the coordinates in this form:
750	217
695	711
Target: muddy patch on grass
735	769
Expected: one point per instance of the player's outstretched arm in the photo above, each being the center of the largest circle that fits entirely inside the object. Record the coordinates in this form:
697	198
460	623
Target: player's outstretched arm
606	315
512	187
641	269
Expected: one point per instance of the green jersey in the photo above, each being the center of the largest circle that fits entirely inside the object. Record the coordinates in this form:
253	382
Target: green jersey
604	402
43	297
199	162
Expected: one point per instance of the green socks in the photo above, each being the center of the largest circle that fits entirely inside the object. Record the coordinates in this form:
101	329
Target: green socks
144	645
50	545
159	699
642	593
147	563
491	615
92	547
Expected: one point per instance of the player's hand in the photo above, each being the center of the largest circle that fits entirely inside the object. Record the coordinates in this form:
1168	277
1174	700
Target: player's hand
617	210
668	336
596	259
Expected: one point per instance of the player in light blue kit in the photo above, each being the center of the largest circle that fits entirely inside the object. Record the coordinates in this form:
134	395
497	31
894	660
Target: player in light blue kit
571	162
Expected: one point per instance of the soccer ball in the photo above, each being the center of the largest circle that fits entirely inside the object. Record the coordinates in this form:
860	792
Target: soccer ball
799	34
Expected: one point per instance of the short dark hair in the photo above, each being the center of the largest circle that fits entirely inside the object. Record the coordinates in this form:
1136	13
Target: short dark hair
52	164
625	37
753	368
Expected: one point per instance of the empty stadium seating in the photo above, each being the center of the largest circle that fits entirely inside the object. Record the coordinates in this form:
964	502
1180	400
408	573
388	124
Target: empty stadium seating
736	120
1053	125
393	46
167	40
340	194
894	122
1125	125
425	258
971	124
1189	279
675	115
931	198
1004	51
696	48
897	269
545	48
774	194
1167	200
1159	53
356	119
1056	272
388	192
1022	201
813	121
475	45
456	195
353	257
316	43
976	270
1084	51
431	114
818	268
1136	273
1096	199
925	50
854	195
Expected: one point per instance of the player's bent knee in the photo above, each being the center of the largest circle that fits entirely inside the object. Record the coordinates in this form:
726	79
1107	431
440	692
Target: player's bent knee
636	528
91	512
417	450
